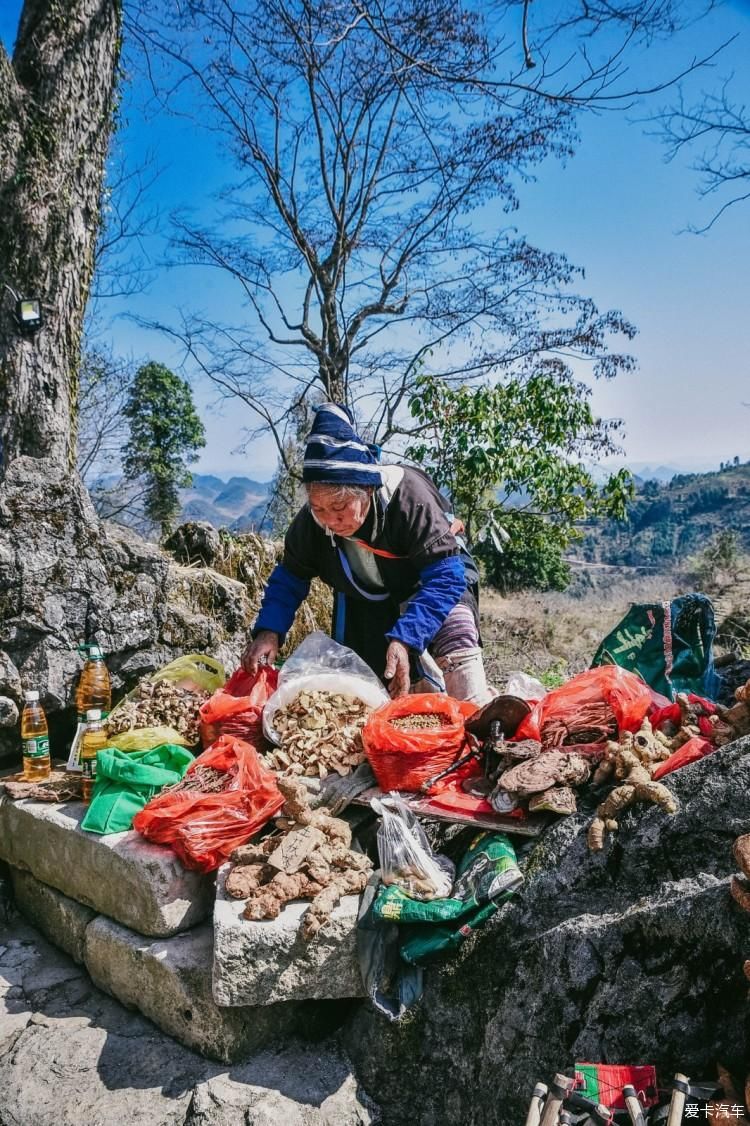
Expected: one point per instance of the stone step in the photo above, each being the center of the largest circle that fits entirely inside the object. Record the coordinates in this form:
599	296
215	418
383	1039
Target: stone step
168	980
141	885
260	963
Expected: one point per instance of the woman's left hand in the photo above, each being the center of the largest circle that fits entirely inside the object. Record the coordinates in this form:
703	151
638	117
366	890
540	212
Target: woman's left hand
397	669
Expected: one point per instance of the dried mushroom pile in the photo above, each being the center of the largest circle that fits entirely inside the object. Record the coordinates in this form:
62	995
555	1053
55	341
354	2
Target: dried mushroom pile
320	732
159	703
312	859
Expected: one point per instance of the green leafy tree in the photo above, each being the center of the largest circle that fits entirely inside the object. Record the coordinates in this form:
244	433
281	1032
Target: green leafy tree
513	457
165	435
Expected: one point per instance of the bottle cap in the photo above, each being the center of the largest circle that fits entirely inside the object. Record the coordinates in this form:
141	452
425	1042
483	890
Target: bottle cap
31	696
93	714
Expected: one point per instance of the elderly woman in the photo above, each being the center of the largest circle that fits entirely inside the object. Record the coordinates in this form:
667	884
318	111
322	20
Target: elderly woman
382	537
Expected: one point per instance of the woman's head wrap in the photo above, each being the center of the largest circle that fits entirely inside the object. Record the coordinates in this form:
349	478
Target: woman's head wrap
335	454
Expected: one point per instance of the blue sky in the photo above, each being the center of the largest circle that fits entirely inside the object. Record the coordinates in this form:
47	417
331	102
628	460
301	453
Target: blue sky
617	209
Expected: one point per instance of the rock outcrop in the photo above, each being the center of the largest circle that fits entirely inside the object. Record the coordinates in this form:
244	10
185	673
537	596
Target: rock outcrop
68	577
632	955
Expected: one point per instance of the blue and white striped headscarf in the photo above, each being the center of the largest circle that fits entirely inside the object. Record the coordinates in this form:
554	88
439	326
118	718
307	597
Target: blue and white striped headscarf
335	454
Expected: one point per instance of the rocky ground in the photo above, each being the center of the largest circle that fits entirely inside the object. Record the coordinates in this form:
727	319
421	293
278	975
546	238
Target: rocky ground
70	1055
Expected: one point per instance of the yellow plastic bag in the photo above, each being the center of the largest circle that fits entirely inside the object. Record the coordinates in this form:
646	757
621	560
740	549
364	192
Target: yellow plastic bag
193	670
146	738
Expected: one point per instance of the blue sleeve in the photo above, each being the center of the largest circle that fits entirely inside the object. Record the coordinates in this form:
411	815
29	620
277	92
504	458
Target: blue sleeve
441	586
282	598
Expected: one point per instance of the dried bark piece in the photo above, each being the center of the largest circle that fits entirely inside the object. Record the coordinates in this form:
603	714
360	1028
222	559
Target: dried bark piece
559	799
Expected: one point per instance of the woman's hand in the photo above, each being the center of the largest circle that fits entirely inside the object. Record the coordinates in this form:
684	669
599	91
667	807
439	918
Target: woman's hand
397	669
263	650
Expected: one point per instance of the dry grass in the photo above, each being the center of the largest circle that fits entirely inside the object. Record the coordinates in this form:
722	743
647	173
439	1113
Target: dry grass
250	558
553	636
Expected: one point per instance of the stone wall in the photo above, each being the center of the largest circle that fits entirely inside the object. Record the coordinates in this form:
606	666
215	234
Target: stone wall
68	577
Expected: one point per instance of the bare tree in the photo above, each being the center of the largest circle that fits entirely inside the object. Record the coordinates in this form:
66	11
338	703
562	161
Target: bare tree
718	127
56	97
380	145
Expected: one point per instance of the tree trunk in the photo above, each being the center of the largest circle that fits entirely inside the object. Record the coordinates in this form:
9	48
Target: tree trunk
56	100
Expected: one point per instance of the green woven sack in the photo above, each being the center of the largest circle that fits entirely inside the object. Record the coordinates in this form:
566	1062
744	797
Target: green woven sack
127	780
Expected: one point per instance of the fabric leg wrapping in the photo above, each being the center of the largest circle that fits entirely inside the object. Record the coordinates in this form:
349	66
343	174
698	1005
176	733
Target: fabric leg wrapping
464	675
458	654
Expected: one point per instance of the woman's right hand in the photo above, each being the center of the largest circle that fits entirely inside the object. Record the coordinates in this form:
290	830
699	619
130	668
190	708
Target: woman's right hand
261	650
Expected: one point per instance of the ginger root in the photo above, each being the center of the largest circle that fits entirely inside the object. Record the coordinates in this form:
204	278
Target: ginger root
632	762
328	871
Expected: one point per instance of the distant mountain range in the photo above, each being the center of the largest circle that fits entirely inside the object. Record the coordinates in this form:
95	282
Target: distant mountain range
238	504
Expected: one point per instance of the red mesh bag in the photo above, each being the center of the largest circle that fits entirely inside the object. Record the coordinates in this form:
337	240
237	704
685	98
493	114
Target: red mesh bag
203	829
236	708
404	760
578	705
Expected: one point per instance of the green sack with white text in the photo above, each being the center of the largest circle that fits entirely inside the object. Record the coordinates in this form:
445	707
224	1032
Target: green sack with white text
667	644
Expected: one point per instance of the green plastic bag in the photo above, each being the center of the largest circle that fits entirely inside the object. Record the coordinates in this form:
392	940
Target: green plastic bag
667	644
486	873
127	780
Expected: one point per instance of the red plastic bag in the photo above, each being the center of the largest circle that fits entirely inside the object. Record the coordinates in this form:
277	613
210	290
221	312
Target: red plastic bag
695	749
236	708
203	829
403	760
570	705
670	713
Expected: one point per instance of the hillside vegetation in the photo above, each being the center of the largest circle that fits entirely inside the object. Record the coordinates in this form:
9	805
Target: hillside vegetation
667	523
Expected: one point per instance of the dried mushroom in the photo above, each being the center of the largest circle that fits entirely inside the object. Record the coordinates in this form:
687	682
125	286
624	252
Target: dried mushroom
159	703
320	732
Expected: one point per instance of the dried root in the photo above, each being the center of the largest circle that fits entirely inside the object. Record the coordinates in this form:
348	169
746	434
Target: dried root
631	762
315	858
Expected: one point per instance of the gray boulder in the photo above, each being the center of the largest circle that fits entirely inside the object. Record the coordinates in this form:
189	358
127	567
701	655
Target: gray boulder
68	577
631	955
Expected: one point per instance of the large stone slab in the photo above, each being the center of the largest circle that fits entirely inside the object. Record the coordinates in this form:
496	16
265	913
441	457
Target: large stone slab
62	919
264	962
141	885
169	981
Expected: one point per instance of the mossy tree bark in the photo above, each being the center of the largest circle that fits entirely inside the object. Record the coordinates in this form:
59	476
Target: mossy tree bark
56	108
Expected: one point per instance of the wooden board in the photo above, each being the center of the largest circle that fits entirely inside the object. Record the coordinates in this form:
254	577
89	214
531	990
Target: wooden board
531	826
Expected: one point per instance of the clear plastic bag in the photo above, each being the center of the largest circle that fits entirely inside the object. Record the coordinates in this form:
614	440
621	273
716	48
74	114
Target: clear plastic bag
406	858
525	687
320	664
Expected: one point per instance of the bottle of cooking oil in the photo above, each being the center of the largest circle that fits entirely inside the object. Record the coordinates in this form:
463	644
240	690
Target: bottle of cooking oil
94	688
93	740
35	737
94	691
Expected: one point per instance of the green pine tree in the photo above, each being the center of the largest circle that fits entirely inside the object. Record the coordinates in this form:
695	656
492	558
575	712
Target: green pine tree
165	436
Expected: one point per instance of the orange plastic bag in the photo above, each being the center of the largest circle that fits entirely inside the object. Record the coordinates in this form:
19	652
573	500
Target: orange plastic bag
236	708
404	760
577	705
203	829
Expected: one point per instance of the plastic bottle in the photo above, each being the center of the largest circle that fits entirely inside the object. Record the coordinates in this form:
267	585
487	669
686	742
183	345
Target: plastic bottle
94	740
94	688
94	691
35	737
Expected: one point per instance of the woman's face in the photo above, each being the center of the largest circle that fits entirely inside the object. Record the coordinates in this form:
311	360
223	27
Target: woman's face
341	515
